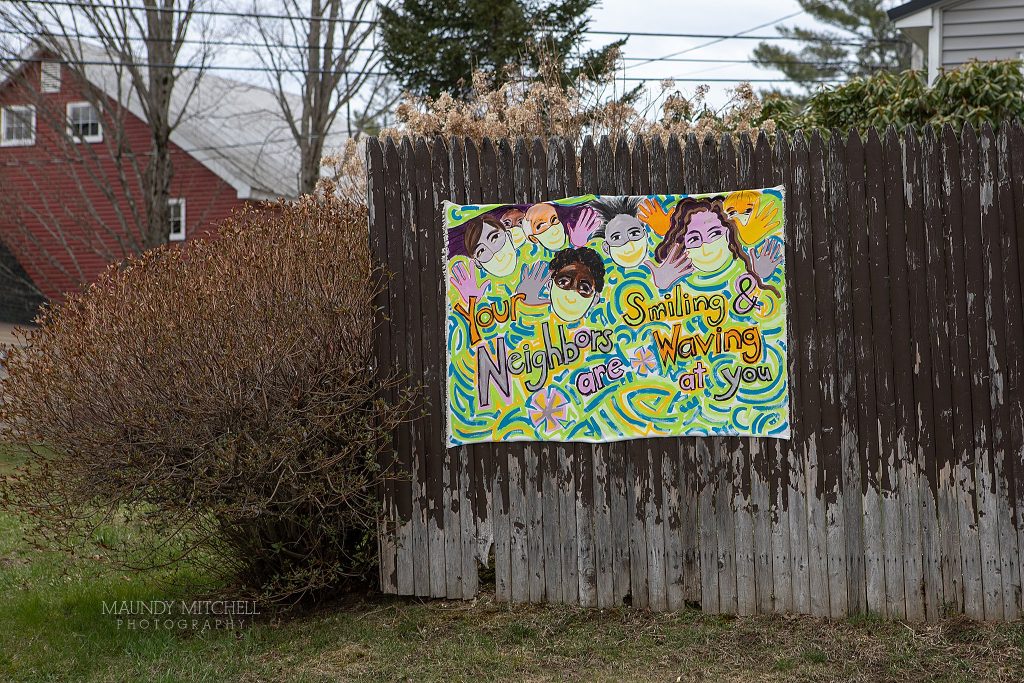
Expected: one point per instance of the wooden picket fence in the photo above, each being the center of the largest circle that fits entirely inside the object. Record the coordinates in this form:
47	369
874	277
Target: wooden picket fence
897	494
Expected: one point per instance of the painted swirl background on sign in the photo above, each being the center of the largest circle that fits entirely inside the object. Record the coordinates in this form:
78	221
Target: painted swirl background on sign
630	387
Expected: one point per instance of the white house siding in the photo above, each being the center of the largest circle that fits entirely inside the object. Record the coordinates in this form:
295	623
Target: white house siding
982	29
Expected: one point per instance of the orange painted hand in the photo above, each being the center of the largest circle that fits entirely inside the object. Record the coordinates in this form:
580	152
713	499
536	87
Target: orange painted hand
655	217
765	220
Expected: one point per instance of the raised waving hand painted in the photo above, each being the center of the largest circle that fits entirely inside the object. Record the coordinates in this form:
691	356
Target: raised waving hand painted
584	227
532	280
654	216
467	283
675	266
766	258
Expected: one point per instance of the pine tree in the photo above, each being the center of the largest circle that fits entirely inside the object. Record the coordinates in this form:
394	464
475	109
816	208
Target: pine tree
433	46
863	40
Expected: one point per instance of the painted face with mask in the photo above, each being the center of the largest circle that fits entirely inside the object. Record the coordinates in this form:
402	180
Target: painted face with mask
543	227
513	220
577	278
740	206
489	245
625	240
707	242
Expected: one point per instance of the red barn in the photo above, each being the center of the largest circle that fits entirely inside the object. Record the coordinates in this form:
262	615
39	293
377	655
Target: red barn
70	196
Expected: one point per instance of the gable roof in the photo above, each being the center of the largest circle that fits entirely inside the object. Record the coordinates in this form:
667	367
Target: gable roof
903	10
235	129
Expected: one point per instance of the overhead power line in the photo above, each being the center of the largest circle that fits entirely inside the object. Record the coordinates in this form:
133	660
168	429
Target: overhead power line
724	80
697	60
343	20
257	44
646	34
718	40
193	41
224	67
195	12
199	67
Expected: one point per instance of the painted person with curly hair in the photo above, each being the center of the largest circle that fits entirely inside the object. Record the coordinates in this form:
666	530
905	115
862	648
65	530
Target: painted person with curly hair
702	237
574	278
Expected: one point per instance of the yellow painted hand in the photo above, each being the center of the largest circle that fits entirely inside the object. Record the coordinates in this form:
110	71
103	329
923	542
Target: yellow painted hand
650	213
763	222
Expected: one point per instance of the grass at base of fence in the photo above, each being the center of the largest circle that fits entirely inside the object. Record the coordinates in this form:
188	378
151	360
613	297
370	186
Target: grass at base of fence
53	627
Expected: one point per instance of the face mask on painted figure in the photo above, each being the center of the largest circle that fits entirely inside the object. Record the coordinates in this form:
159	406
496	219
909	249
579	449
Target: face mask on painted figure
544	227
513	221
495	252
625	241
707	243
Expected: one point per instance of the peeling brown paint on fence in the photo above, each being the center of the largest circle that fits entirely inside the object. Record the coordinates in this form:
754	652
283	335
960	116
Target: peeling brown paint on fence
898	492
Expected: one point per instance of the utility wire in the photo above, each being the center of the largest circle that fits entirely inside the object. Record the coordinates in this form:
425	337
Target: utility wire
198	67
718	40
191	41
231	43
720	37
220	67
696	60
373	22
724	80
192	12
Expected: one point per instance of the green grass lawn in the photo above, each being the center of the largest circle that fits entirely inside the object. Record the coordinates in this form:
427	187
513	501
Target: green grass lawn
52	628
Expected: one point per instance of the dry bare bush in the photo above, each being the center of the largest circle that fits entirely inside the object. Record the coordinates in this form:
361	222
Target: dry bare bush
223	396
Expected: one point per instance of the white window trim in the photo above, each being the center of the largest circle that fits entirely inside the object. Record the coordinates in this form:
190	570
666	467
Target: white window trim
178	237
4	142
935	46
86	138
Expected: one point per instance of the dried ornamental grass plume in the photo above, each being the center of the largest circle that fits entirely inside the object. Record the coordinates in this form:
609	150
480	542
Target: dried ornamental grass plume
344	173
544	108
225	397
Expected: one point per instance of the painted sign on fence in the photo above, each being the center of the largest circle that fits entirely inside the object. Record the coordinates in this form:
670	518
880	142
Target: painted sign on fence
603	318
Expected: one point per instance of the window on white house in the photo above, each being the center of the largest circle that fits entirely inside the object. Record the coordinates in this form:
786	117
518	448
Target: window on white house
17	126
176	216
49	77
84	122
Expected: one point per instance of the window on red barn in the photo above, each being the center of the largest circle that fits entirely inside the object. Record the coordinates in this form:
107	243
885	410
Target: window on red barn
84	122
176	216
17	125
49	77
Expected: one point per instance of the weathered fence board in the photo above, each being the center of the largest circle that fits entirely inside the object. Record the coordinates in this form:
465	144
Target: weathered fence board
977	322
898	493
759	174
779	470
922	460
1016	156
960	377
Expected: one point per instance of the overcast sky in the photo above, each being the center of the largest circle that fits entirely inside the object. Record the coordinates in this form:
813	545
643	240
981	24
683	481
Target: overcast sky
724	17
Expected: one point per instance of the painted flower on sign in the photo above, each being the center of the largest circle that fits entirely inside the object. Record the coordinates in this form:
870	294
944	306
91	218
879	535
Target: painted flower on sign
643	361
549	409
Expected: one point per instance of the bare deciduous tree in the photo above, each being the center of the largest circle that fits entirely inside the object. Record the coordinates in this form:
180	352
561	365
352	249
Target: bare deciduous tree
325	52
